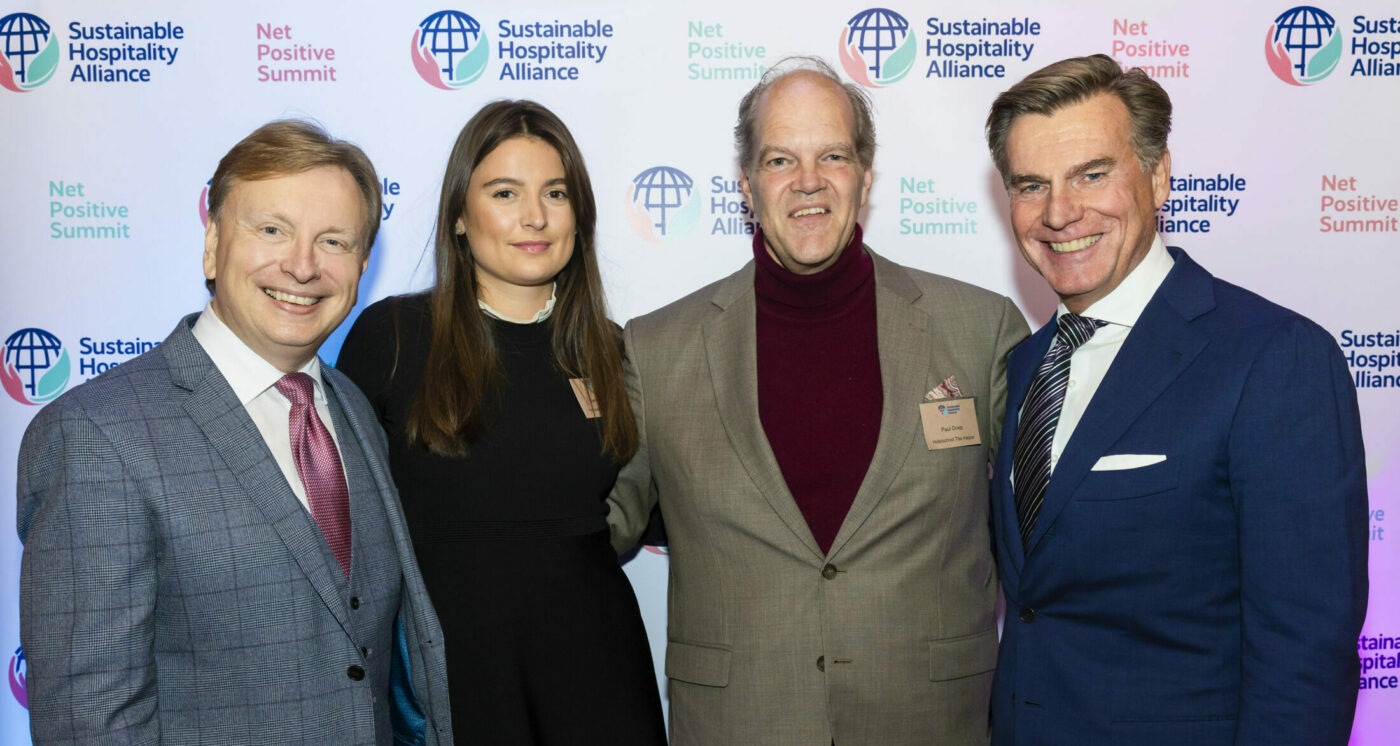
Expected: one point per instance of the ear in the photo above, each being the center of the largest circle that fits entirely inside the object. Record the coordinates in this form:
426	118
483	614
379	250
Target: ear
211	248
746	188
865	186
1161	180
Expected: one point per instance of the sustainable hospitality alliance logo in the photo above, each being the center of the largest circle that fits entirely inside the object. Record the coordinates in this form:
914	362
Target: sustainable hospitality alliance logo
35	366
662	204
450	50
1303	45
17	685
876	48
30	52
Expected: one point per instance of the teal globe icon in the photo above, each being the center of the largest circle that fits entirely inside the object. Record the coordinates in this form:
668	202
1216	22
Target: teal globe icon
449	35
876	47
30	51
666	192
876	33
35	366
1303	45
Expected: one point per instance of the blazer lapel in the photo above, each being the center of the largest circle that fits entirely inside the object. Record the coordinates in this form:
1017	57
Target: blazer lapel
905	349
213	406
1021	366
732	351
1160	346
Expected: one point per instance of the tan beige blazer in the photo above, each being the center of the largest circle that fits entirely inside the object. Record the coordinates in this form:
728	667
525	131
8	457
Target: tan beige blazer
888	639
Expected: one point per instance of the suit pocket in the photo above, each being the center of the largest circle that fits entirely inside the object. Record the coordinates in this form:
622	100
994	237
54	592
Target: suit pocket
1203	732
960	657
697	664
1126	484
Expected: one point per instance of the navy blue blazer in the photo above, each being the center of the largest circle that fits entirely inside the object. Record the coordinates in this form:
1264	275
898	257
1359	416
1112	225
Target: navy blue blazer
1214	597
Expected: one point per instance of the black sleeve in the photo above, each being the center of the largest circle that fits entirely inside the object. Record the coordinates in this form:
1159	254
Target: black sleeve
370	351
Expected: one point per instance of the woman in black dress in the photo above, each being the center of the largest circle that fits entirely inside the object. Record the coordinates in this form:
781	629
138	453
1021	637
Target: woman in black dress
501	391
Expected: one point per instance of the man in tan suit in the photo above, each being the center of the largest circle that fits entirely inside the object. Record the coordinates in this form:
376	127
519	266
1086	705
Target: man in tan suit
817	429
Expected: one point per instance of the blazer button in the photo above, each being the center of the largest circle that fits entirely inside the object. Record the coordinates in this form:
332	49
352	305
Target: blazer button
354	602
821	663
356	673
829	571
1027	615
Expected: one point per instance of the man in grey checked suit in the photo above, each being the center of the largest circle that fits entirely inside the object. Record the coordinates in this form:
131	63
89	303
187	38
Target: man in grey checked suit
175	586
816	429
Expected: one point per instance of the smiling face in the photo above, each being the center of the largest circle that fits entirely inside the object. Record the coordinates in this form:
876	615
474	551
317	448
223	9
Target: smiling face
806	184
287	254
1082	208
519	224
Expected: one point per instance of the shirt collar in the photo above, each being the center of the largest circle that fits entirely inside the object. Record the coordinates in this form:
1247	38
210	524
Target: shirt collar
1125	303
539	316
247	373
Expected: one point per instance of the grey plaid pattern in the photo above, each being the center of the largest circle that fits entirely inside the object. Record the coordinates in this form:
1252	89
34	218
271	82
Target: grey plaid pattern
173	589
1041	414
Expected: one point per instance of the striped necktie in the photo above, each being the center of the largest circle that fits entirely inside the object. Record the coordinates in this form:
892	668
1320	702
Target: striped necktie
1039	416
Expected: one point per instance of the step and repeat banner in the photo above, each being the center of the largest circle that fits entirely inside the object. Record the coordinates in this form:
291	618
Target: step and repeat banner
115	115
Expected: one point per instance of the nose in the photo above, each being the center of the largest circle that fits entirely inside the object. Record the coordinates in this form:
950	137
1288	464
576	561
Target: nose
1061	209
808	179
300	262
532	214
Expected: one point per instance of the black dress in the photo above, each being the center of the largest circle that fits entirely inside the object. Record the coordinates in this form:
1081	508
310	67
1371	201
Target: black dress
544	641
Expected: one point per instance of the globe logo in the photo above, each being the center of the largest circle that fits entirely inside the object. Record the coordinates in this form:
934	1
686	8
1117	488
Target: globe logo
662	204
35	368
450	50
17	687
876	47
1303	45
30	52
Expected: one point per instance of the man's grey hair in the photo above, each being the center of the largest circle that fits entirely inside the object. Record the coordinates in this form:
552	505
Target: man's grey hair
1070	81
746	136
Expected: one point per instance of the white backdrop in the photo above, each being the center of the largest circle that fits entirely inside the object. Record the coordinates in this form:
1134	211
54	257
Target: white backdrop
115	115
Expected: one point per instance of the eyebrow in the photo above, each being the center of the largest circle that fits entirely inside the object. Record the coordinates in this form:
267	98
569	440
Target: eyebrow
840	147
509	181
1097	164
1079	170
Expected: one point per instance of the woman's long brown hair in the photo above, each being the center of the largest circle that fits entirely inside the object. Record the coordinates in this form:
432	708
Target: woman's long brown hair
463	372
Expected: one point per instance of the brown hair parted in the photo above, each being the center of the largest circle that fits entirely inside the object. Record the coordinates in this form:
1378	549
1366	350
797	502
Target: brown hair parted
1076	79
745	131
290	146
462	372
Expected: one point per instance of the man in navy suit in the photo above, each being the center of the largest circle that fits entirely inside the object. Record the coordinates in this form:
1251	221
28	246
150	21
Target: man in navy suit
214	551
1181	519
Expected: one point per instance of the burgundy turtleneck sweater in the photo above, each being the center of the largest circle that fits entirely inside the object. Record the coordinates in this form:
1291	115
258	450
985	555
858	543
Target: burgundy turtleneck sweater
819	392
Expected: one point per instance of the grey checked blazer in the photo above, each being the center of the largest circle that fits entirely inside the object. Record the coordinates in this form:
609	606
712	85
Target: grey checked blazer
174	590
890	638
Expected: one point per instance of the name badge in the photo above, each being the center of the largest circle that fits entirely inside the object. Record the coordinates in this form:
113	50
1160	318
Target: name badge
949	423
583	391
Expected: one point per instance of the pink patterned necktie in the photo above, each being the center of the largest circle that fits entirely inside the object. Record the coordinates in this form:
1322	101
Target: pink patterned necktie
318	464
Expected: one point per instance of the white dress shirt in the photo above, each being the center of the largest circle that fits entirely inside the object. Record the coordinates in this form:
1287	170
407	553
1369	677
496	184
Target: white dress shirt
252	379
1089	364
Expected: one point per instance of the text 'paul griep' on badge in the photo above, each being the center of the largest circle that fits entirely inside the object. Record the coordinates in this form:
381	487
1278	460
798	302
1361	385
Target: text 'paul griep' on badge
949	423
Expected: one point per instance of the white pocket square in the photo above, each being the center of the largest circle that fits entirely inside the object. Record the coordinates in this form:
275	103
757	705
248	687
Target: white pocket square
1121	461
